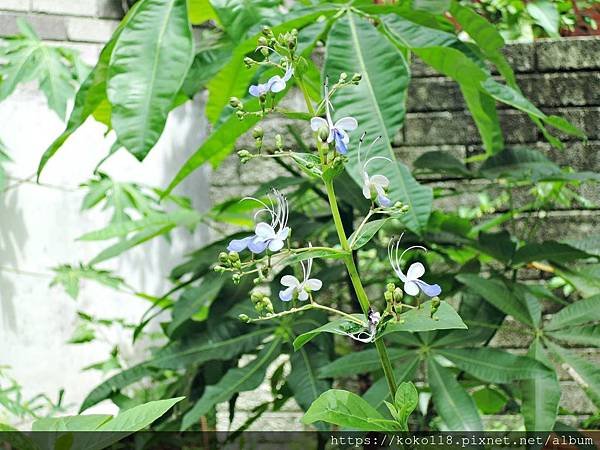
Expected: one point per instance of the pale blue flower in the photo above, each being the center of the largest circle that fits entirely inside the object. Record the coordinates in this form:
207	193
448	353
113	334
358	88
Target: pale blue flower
412	282
300	289
275	84
267	236
338	131
374	187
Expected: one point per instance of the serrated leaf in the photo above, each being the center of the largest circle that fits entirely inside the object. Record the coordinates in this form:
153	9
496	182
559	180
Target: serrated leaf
148	65
454	405
347	410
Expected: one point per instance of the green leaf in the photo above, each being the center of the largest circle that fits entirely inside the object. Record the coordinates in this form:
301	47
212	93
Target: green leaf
421	319
490	400
378	104
583	335
431	6
512	97
347	410
577	313
366	233
148	65
91	94
239	16
549	250
88	422
139	417
24	58
584	277
588	373
545	14
303	379
499	245
312	253
182	217
442	51
359	362
493	365
196	301
442	162
454	405
70	278
236	380
337	326
405	401
200	11
379	392
518	163
541	395
497	293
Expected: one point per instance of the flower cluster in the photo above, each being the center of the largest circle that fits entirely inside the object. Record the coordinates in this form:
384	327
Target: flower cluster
297	289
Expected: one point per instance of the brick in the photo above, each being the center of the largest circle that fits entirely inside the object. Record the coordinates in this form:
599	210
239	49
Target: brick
47	27
408	154
14	5
585	119
568	54
559	225
90	30
110	9
521	57
579	155
574	400
68	7
434	94
562	89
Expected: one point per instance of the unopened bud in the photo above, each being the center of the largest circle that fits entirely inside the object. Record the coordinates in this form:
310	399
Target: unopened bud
405	208
235	102
323	133
262	98
389	296
234	256
264	51
256	297
279	142
220	269
244	155
240	115
258	132
223	257
262	41
397	295
343	77
356	78
266	31
249	62
244	318
398	205
390	287
236	278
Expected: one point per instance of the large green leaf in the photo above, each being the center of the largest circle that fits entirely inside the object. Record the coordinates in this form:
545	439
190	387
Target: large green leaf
498	294
347	410
303	377
454	405
91	94
518	163
577	313
359	362
588	372
139	417
583	335
550	250
541	395
379	105
148	65
422	319
442	51
235	380
494	365
584	277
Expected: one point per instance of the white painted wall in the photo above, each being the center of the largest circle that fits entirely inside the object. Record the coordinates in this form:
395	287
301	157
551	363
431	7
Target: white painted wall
38	227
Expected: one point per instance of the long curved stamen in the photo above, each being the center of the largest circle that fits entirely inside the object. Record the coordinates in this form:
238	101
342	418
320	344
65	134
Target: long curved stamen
327	103
371	146
356	336
360	142
310	262
373	159
265	208
420	247
304	271
269	48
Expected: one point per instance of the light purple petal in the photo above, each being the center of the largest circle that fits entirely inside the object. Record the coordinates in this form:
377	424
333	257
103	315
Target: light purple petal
317	122
347	123
237	245
383	201
257	245
431	290
257	90
287	294
340	145
275	245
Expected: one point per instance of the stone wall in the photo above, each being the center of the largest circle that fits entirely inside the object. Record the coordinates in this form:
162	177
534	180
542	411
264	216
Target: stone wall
561	77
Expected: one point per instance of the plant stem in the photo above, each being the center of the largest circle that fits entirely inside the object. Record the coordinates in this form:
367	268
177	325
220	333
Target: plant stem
358	287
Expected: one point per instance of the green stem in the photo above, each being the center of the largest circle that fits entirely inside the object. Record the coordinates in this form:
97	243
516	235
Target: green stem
358	287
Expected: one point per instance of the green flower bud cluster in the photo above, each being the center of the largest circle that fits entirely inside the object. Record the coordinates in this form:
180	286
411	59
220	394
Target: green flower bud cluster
435	304
244	156
230	262
237	104
262	303
393	297
258	134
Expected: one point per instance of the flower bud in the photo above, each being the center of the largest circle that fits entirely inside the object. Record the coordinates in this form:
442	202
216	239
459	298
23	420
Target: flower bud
356	78
256	297
234	256
323	133
279	142
343	77
262	41
244	155
397	295
264	51
223	258
405	208
262	98
235	102
258	132
240	115
390	287
244	318
267	305
267	32
220	269
398	205
249	62
389	296
236	278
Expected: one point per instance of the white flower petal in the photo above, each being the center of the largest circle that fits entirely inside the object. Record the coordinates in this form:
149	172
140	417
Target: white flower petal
283	234
317	122
277	84
287	294
275	245
290	281
411	288
302	295
415	271
313	284
380	180
346	123
264	231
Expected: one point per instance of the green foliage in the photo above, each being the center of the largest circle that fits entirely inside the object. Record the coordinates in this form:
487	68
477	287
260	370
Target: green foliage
475	253
26	58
